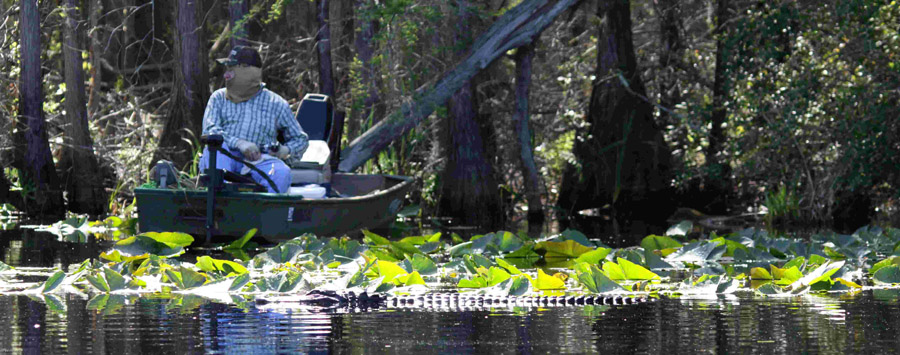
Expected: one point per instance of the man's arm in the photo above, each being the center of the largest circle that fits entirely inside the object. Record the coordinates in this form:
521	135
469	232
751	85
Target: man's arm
294	137
211	118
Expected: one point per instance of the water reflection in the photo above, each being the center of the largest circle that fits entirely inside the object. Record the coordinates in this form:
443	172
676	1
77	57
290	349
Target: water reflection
867	322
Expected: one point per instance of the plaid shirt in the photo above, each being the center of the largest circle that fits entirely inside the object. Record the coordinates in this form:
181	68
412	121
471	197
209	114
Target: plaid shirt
257	120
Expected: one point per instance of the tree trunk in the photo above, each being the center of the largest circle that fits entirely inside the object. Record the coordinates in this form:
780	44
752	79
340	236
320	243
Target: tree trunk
79	165
518	26
720	88
323	46
190	90
623	161
372	109
238	9
468	187
33	159
669	55
96	11
534	187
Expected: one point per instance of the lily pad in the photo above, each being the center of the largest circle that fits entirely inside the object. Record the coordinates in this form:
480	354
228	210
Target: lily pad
547	282
658	242
565	249
593	279
887	275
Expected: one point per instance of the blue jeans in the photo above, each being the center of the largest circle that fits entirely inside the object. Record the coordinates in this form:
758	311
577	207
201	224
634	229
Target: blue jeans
276	169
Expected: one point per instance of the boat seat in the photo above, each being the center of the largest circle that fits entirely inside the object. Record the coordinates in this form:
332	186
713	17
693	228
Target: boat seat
314	167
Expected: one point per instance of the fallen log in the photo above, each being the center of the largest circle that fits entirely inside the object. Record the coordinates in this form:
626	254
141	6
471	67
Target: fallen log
517	27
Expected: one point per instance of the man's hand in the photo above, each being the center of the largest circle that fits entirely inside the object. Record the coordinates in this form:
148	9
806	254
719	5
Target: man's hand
248	149
282	152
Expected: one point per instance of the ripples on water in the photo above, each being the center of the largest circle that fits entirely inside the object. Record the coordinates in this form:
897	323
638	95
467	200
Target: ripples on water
811	324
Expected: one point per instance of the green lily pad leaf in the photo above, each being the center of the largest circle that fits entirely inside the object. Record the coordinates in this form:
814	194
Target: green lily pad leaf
759	273
682	228
98	282
420	240
240	243
460	249
508	242
517	285
161	244
654	262
795	262
614	271
185	278
477	282
374	239
770	289
388	270
574	235
547	282
566	249
280	254
726	285
225	267
634	271
54	281
509	267
658	242
698	252
473	262
402	250
887	275
117	257
496	275
114	279
595	280
730	245
816	260
594	256
170	239
893	260
411	279
423	265
821	273
239	282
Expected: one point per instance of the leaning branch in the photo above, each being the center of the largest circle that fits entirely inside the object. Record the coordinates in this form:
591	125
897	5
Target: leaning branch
518	26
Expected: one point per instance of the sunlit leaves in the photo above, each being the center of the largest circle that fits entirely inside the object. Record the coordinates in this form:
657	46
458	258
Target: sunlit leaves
547	282
486	278
141	246
184	278
565	249
627	270
657	242
594	280
222	267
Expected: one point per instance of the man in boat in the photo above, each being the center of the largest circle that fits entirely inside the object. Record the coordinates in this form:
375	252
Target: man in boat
249	117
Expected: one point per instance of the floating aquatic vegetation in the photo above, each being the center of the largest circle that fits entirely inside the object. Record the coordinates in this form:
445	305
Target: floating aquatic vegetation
500	264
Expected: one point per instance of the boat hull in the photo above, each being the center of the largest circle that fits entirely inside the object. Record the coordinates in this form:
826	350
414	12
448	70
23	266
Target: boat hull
372	201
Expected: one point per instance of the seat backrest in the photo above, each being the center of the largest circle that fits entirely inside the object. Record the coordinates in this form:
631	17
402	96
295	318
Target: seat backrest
316	115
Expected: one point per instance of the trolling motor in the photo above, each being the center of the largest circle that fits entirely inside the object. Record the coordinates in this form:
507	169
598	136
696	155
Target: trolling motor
214	145
215	178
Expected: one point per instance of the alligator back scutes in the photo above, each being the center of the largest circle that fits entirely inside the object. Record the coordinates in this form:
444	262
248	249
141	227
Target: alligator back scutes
325	300
461	301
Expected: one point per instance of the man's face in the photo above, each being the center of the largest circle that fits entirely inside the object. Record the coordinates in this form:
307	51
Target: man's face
229	71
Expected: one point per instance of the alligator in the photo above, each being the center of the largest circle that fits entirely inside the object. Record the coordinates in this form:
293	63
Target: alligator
324	301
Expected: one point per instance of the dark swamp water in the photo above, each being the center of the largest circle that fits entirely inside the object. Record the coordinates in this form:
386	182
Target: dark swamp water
865	322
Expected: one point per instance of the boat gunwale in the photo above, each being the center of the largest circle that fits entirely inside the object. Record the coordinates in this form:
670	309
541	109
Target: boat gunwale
405	182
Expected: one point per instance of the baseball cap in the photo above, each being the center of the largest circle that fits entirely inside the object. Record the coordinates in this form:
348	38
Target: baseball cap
242	55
